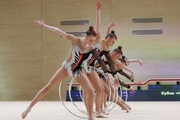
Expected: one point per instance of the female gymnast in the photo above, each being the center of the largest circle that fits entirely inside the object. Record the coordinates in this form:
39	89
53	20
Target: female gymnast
80	50
125	62
103	50
92	75
115	54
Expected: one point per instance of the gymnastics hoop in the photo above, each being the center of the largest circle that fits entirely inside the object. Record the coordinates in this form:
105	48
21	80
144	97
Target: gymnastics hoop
66	106
73	102
72	80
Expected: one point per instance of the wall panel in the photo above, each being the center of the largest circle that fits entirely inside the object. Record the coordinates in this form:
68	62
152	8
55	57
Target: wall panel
20	49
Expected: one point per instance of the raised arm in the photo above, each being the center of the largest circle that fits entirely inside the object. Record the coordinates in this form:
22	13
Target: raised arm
98	16
109	27
98	20
56	30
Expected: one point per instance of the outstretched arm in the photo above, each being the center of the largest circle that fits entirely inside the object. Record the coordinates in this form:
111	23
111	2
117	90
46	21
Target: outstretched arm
56	30
136	60
128	76
127	86
129	70
121	66
124	74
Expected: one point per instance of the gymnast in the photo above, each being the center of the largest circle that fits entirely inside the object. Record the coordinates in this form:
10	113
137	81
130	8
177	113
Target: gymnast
80	50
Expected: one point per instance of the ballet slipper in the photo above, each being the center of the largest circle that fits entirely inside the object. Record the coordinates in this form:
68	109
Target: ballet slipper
127	111
129	107
125	108
24	114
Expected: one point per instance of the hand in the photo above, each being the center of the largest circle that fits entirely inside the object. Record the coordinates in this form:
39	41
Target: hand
40	22
131	90
116	81
141	63
132	77
107	78
98	5
111	25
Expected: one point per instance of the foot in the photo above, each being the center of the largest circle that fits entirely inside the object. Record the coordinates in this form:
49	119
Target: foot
94	112
24	114
129	108
91	118
106	113
125	108
101	116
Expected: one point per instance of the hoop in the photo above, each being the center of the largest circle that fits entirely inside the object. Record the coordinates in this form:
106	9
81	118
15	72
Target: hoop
66	106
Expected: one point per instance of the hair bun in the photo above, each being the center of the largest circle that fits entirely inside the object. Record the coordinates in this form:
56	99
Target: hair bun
119	47
112	31
91	28
123	57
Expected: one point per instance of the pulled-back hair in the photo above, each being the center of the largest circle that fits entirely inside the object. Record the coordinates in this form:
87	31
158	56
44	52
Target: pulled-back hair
123	59
91	32
118	50
111	35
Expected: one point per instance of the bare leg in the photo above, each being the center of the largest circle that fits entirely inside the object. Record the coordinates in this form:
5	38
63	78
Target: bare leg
88	90
125	103
85	98
105	103
95	82
60	75
104	100
118	102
